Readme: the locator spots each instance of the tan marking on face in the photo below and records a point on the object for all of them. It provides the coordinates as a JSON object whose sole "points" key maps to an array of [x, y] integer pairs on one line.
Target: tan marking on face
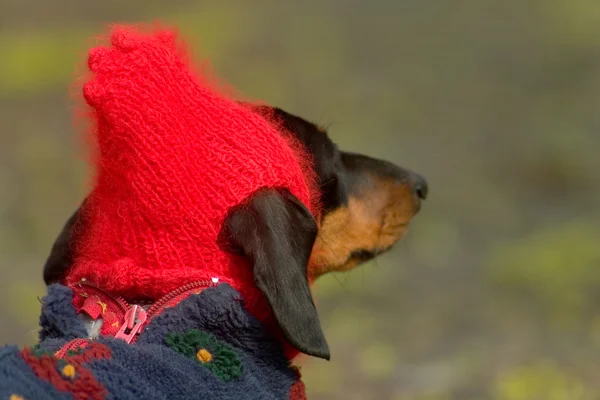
{"points": [[374, 220]]}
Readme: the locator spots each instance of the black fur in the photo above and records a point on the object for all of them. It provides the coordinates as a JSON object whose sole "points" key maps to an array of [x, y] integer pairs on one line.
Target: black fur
{"points": [[359, 169], [60, 254], [326, 156]]}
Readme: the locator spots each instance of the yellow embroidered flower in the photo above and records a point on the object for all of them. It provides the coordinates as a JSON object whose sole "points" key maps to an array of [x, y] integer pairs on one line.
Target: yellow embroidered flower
{"points": [[68, 371]]}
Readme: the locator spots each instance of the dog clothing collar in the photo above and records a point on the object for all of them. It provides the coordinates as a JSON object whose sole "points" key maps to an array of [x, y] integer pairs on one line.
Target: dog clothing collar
{"points": [[110, 315]]}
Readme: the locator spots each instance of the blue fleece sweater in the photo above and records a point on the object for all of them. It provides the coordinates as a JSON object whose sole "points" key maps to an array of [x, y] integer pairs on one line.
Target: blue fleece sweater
{"points": [[206, 347]]}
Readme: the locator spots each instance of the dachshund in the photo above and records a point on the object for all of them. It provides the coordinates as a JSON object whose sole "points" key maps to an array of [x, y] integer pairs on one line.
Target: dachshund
{"points": [[367, 206]]}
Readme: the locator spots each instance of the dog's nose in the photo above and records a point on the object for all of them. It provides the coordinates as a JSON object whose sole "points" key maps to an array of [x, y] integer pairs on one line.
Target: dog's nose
{"points": [[420, 186]]}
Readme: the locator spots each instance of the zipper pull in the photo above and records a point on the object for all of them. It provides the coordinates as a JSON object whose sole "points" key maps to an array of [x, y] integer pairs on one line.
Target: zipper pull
{"points": [[134, 320]]}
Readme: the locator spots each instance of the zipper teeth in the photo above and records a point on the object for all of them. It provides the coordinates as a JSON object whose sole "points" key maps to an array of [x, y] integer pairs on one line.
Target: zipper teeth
{"points": [[178, 292], [154, 308], [119, 300], [69, 346]]}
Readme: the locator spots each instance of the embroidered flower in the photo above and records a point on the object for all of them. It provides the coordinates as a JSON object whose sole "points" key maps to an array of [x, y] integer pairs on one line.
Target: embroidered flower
{"points": [[68, 373], [66, 369], [208, 351]]}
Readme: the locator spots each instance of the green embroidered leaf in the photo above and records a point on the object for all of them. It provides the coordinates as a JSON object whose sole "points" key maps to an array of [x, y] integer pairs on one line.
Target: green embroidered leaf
{"points": [[37, 351], [208, 351]]}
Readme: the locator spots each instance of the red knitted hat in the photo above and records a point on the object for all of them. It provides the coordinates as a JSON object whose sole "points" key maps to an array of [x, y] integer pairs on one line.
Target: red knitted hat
{"points": [[172, 156]]}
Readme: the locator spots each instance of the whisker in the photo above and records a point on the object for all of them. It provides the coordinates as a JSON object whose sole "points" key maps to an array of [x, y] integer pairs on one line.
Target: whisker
{"points": [[327, 182], [35, 330], [343, 285]]}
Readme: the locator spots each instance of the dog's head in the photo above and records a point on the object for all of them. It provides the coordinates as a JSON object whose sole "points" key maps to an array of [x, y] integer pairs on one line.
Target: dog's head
{"points": [[367, 205]]}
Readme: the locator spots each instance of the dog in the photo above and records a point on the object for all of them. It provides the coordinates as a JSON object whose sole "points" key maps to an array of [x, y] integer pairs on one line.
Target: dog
{"points": [[367, 207], [180, 274]]}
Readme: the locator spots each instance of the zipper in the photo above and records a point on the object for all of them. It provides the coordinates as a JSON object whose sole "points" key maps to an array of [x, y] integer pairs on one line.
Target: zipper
{"points": [[119, 301], [136, 318], [73, 344], [164, 301]]}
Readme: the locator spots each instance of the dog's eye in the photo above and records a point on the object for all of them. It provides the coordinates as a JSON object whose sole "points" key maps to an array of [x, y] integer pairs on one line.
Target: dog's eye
{"points": [[362, 255]]}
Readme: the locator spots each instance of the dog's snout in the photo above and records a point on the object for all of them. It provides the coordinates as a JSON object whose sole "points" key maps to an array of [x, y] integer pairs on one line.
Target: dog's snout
{"points": [[359, 166], [420, 187]]}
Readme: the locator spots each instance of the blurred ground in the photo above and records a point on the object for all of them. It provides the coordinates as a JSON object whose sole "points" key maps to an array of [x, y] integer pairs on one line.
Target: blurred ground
{"points": [[494, 294]]}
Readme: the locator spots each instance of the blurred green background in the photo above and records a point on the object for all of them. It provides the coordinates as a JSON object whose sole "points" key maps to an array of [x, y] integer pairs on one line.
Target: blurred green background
{"points": [[495, 292]]}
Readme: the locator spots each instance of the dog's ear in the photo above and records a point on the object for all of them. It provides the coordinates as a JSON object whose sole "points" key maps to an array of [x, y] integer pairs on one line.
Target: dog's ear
{"points": [[60, 257], [276, 232]]}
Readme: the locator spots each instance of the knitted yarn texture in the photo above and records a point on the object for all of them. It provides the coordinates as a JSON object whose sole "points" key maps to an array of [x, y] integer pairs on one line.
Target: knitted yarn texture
{"points": [[171, 156]]}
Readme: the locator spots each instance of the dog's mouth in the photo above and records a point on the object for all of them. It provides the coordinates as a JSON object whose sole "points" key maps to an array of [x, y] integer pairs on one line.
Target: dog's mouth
{"points": [[361, 256]]}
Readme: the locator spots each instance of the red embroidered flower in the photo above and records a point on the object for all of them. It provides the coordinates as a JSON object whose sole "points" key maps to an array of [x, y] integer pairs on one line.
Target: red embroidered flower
{"points": [[69, 374]]}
